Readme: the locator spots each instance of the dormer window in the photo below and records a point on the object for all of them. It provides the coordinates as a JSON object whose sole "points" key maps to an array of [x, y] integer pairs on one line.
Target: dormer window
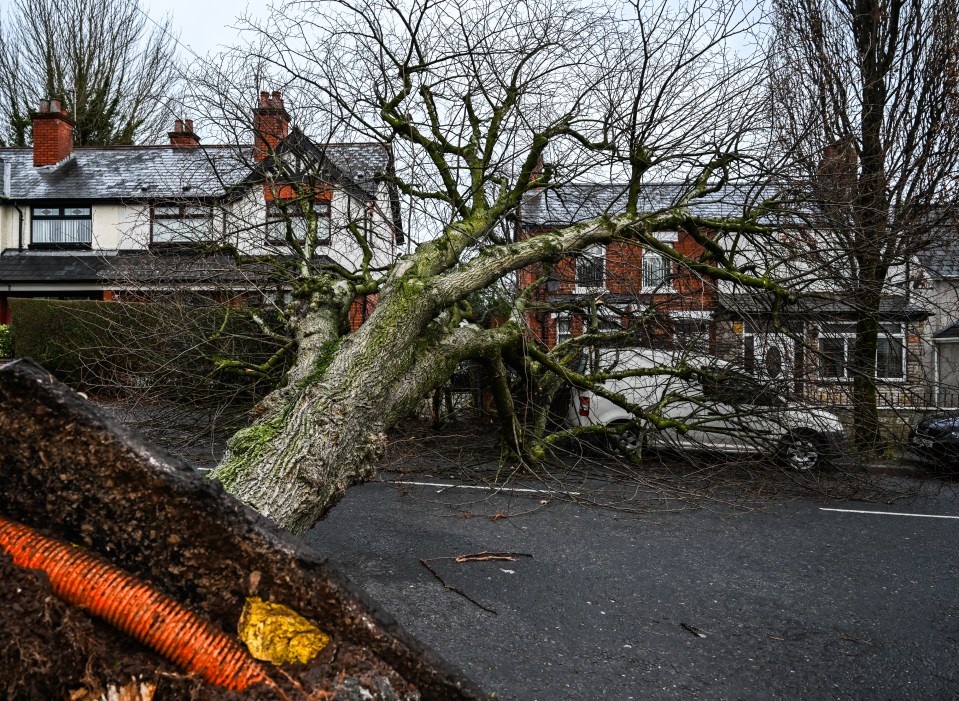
{"points": [[288, 217], [60, 226], [181, 223]]}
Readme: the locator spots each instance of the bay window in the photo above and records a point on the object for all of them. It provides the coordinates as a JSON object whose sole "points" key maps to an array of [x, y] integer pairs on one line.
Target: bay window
{"points": [[837, 342]]}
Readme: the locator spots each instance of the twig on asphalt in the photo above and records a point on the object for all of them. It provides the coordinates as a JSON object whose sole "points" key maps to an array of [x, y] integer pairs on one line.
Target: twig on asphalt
{"points": [[486, 555], [450, 587], [693, 629]]}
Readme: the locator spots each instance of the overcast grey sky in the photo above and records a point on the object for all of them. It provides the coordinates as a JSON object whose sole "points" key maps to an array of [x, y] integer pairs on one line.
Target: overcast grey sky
{"points": [[203, 25]]}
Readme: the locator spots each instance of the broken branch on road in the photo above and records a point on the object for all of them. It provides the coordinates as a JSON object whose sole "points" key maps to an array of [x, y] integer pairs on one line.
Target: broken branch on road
{"points": [[450, 587], [484, 556]]}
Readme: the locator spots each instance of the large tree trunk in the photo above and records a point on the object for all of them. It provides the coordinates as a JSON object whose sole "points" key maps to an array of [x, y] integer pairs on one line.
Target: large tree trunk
{"points": [[864, 390], [324, 430]]}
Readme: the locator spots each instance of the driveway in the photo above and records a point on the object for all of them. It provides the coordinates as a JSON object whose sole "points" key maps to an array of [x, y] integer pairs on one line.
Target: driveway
{"points": [[792, 601]]}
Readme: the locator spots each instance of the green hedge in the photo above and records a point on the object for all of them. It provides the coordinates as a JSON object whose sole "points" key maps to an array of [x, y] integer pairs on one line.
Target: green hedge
{"points": [[167, 348], [6, 341]]}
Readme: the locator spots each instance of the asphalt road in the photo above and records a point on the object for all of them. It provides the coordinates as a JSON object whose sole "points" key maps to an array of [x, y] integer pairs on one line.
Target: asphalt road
{"points": [[789, 602]]}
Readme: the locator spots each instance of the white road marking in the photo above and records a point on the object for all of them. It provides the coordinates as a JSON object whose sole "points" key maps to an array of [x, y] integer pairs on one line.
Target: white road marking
{"points": [[489, 489], [888, 513]]}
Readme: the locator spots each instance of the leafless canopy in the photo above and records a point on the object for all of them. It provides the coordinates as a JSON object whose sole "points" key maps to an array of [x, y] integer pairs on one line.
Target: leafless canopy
{"points": [[108, 63], [863, 107]]}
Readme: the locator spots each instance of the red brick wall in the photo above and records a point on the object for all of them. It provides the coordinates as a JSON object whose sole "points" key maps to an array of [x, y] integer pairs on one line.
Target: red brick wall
{"points": [[624, 267], [361, 309], [52, 138]]}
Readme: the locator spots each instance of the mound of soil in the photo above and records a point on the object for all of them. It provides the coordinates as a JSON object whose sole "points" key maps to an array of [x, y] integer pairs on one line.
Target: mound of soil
{"points": [[70, 472]]}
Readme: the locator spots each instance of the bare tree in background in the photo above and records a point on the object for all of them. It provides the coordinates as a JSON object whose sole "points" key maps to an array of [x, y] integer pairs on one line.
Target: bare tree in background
{"points": [[863, 104], [109, 65]]}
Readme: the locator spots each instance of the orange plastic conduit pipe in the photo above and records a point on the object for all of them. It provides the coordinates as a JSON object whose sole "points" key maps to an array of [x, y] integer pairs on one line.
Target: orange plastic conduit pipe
{"points": [[155, 619]]}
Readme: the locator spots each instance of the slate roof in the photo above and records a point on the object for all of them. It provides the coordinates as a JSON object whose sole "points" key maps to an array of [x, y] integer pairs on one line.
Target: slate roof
{"points": [[126, 173], [579, 202], [890, 306], [167, 172], [941, 259], [53, 267]]}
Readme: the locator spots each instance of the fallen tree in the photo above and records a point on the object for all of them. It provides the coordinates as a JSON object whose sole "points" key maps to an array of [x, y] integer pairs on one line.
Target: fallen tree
{"points": [[473, 101]]}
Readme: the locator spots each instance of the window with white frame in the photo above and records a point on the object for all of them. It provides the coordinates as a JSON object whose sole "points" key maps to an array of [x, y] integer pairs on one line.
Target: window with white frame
{"points": [[591, 268], [891, 353], [836, 344], [284, 217], [181, 223], [655, 272], [61, 225], [564, 329]]}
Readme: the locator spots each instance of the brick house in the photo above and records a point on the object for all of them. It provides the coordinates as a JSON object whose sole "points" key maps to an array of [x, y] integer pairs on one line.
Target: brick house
{"points": [[623, 286], [136, 222]]}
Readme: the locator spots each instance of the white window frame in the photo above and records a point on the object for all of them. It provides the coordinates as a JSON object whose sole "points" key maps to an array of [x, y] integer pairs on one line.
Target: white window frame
{"points": [[197, 223], [849, 338], [561, 320], [663, 264], [899, 334], [594, 252]]}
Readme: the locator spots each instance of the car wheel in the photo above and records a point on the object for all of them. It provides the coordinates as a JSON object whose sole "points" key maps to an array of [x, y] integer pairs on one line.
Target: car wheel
{"points": [[629, 442], [800, 452]]}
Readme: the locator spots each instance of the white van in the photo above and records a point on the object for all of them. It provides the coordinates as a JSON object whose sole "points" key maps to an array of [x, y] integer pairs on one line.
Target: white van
{"points": [[720, 409]]}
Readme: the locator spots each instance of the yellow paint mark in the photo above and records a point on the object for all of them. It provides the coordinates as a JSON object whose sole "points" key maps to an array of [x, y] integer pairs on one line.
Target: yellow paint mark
{"points": [[277, 634]]}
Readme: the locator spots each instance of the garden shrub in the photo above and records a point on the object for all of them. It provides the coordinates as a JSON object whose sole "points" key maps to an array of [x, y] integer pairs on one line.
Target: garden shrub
{"points": [[6, 341]]}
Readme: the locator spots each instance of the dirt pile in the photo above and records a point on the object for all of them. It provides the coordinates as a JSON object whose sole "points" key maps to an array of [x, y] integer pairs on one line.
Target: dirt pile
{"points": [[70, 472]]}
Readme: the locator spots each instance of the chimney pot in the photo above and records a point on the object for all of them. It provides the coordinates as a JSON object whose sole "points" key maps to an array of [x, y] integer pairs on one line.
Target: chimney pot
{"points": [[182, 135]]}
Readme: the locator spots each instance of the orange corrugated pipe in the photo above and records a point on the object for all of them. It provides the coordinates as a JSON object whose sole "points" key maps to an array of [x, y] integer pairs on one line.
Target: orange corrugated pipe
{"points": [[155, 619]]}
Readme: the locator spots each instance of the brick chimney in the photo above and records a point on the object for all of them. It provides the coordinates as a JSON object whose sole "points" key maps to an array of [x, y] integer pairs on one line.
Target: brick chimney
{"points": [[271, 124], [182, 135], [52, 133]]}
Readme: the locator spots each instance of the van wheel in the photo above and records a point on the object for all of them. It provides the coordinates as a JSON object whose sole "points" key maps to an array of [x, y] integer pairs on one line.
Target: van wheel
{"points": [[629, 442], [800, 452]]}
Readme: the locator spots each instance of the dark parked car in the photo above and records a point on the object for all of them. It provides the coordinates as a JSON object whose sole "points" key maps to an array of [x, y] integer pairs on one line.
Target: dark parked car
{"points": [[936, 438]]}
